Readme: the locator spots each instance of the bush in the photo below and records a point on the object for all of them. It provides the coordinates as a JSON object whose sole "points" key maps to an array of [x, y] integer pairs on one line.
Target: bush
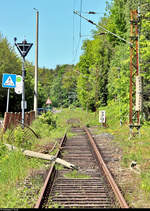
{"points": [[48, 118], [44, 124]]}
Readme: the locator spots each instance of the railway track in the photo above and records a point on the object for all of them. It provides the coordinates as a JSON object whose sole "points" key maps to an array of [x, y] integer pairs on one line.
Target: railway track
{"points": [[91, 186]]}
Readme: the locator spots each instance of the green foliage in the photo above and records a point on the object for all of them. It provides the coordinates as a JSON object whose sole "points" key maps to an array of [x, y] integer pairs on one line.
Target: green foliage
{"points": [[63, 87], [44, 125], [117, 21], [93, 67], [113, 113], [9, 63], [42, 130], [118, 79], [48, 118], [145, 55]]}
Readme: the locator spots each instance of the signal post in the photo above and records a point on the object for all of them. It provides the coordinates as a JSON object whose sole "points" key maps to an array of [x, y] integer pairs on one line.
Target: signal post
{"points": [[23, 49]]}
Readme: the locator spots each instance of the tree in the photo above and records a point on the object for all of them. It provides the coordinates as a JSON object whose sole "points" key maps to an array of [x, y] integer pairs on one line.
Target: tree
{"points": [[145, 57], [94, 66], [9, 63], [63, 88]]}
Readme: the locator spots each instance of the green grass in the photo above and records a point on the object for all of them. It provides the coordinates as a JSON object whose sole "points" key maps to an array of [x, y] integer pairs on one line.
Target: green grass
{"points": [[14, 167], [76, 175], [85, 118], [10, 170]]}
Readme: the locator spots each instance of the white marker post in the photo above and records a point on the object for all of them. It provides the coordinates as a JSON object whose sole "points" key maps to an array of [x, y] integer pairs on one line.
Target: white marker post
{"points": [[102, 118]]}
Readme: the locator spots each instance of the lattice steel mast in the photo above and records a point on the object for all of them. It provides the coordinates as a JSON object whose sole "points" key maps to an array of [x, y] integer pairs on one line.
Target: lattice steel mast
{"points": [[135, 94]]}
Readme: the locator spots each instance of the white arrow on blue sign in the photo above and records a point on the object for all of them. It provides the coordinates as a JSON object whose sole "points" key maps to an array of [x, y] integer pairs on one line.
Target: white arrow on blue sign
{"points": [[9, 80]]}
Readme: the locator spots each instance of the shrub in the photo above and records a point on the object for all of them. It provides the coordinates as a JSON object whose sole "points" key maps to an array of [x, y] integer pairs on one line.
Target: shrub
{"points": [[44, 124], [48, 118]]}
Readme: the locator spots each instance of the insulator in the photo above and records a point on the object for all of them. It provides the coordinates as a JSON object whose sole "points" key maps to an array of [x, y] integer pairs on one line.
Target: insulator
{"points": [[138, 106]]}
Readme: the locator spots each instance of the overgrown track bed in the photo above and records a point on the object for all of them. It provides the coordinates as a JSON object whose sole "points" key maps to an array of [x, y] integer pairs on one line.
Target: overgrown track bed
{"points": [[85, 188]]}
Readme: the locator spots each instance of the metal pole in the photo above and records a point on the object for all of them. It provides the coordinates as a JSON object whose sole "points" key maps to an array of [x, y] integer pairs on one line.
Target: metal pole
{"points": [[131, 74], [139, 14], [8, 92], [36, 67], [23, 92], [137, 58], [138, 32]]}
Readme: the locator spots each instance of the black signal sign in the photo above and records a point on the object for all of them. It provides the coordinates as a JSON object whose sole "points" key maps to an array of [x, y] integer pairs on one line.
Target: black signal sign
{"points": [[23, 47]]}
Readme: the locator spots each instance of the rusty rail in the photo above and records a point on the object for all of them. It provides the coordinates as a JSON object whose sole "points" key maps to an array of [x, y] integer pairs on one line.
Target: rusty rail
{"points": [[108, 175], [50, 176]]}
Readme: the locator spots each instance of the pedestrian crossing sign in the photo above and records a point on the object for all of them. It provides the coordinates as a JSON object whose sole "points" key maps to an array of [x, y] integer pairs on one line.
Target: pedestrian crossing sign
{"points": [[9, 80]]}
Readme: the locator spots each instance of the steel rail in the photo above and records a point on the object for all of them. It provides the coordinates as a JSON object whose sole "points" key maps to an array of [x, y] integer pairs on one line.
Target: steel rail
{"points": [[108, 175], [50, 176]]}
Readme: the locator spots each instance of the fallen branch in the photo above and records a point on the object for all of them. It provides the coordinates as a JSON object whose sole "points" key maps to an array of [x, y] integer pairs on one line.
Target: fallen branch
{"points": [[43, 156]]}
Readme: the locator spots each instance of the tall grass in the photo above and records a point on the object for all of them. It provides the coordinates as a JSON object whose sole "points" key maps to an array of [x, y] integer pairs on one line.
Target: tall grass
{"points": [[12, 167], [85, 118]]}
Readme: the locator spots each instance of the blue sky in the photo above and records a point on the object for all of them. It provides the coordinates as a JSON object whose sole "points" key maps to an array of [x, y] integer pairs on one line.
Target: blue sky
{"points": [[59, 29]]}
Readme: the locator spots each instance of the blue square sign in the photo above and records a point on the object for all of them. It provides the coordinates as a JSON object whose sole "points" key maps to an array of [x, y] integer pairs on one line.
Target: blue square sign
{"points": [[9, 80]]}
